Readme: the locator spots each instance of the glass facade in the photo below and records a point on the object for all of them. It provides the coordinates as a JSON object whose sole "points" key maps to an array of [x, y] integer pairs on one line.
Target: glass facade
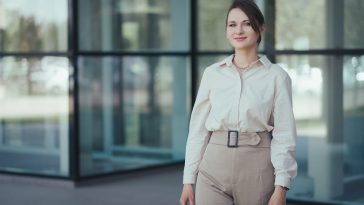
{"points": [[34, 115], [133, 25], [327, 94], [211, 25], [133, 111], [34, 89], [353, 132], [114, 92], [353, 29], [329, 149], [319, 24], [37, 25], [308, 20]]}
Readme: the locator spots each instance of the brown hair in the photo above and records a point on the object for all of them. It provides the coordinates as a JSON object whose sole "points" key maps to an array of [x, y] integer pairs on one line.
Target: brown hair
{"points": [[253, 12]]}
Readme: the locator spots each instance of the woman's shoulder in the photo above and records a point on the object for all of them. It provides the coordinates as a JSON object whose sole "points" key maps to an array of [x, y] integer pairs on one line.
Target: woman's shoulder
{"points": [[214, 66], [278, 71], [218, 64]]}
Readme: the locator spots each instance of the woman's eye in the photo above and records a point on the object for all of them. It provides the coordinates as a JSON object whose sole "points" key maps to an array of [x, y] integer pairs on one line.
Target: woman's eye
{"points": [[247, 24], [231, 25]]}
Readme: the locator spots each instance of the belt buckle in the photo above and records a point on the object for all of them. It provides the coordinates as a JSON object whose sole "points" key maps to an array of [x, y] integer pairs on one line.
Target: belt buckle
{"points": [[236, 139]]}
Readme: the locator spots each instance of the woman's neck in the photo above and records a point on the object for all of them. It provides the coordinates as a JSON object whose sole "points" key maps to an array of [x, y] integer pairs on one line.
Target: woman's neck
{"points": [[243, 58]]}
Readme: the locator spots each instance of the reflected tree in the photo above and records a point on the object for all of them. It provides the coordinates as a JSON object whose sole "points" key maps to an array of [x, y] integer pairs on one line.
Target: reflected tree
{"points": [[29, 35], [26, 38], [211, 24], [299, 20]]}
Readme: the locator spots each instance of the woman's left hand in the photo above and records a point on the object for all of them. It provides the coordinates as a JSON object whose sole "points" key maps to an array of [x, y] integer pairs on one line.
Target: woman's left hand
{"points": [[278, 197]]}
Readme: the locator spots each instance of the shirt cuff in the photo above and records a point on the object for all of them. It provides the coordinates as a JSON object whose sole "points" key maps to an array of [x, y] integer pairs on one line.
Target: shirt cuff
{"points": [[283, 181], [189, 179]]}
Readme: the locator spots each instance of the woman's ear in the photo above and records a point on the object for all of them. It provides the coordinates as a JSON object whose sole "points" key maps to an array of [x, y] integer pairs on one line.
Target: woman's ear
{"points": [[262, 29]]}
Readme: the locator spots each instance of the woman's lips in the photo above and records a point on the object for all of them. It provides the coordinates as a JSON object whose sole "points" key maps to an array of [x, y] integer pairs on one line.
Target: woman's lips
{"points": [[240, 39]]}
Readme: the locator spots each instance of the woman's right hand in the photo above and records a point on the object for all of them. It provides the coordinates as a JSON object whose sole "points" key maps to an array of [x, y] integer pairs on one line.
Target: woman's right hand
{"points": [[187, 195]]}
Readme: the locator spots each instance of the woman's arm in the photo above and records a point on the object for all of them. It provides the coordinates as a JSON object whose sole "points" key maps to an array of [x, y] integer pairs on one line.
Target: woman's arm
{"points": [[283, 144], [197, 140], [284, 134], [198, 134]]}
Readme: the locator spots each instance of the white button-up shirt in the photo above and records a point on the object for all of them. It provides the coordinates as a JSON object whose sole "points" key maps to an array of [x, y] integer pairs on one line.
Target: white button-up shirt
{"points": [[260, 99]]}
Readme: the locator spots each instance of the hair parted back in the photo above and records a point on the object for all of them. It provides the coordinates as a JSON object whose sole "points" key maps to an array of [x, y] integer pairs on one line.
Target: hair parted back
{"points": [[253, 12]]}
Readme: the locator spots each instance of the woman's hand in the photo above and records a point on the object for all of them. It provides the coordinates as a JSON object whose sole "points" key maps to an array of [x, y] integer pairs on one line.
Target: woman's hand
{"points": [[187, 195], [278, 197]]}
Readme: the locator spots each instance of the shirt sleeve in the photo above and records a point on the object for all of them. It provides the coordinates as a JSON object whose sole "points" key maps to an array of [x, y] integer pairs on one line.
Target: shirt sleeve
{"points": [[198, 135], [283, 144]]}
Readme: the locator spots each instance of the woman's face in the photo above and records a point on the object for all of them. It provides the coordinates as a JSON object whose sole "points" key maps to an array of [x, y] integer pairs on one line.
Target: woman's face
{"points": [[239, 32]]}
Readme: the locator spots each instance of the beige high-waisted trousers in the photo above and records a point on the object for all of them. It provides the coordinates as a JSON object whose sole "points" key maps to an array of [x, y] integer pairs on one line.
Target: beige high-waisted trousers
{"points": [[241, 175]]}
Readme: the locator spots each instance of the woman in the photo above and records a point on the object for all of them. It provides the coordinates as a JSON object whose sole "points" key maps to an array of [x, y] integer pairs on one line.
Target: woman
{"points": [[242, 135]]}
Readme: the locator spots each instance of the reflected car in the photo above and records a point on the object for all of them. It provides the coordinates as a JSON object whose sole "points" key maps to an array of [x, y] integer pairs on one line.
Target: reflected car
{"points": [[52, 77]]}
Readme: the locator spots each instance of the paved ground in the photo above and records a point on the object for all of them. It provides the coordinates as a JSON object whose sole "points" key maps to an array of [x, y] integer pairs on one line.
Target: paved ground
{"points": [[160, 186], [157, 186]]}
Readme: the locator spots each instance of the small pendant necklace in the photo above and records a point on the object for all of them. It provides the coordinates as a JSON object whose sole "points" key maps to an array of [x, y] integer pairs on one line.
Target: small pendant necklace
{"points": [[245, 67]]}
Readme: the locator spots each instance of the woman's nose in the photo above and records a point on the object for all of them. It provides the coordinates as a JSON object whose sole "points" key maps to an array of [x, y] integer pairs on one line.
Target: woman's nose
{"points": [[239, 29]]}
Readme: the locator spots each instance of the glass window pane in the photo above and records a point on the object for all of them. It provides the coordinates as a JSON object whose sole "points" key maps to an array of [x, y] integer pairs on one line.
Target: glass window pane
{"points": [[133, 112], [319, 24], [328, 105], [300, 24], [211, 25], [353, 99], [353, 27], [133, 25], [37, 25], [34, 114]]}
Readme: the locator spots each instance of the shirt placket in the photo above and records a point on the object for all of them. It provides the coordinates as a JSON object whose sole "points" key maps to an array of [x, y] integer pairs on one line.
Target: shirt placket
{"points": [[240, 95], [241, 78], [237, 99]]}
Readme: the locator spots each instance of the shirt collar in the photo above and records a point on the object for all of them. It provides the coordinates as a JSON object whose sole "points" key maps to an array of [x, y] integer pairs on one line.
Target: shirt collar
{"points": [[229, 61]]}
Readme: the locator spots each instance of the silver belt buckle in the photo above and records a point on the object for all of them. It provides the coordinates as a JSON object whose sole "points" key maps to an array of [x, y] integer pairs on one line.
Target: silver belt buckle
{"points": [[230, 132]]}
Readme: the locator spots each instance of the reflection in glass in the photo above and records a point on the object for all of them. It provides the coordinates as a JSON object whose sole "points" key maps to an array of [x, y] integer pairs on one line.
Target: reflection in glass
{"points": [[34, 115], [211, 21], [327, 101], [133, 112], [35, 25], [353, 28], [300, 24], [306, 73], [319, 24], [353, 97], [132, 25]]}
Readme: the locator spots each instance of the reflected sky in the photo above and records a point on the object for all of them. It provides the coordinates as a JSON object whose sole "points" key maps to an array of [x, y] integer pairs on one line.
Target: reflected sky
{"points": [[42, 10]]}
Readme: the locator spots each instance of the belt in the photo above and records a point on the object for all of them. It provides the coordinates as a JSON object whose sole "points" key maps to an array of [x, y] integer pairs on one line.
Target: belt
{"points": [[233, 138]]}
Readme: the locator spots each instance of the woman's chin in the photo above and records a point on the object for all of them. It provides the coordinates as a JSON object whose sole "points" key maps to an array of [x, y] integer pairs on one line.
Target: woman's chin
{"points": [[243, 47]]}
